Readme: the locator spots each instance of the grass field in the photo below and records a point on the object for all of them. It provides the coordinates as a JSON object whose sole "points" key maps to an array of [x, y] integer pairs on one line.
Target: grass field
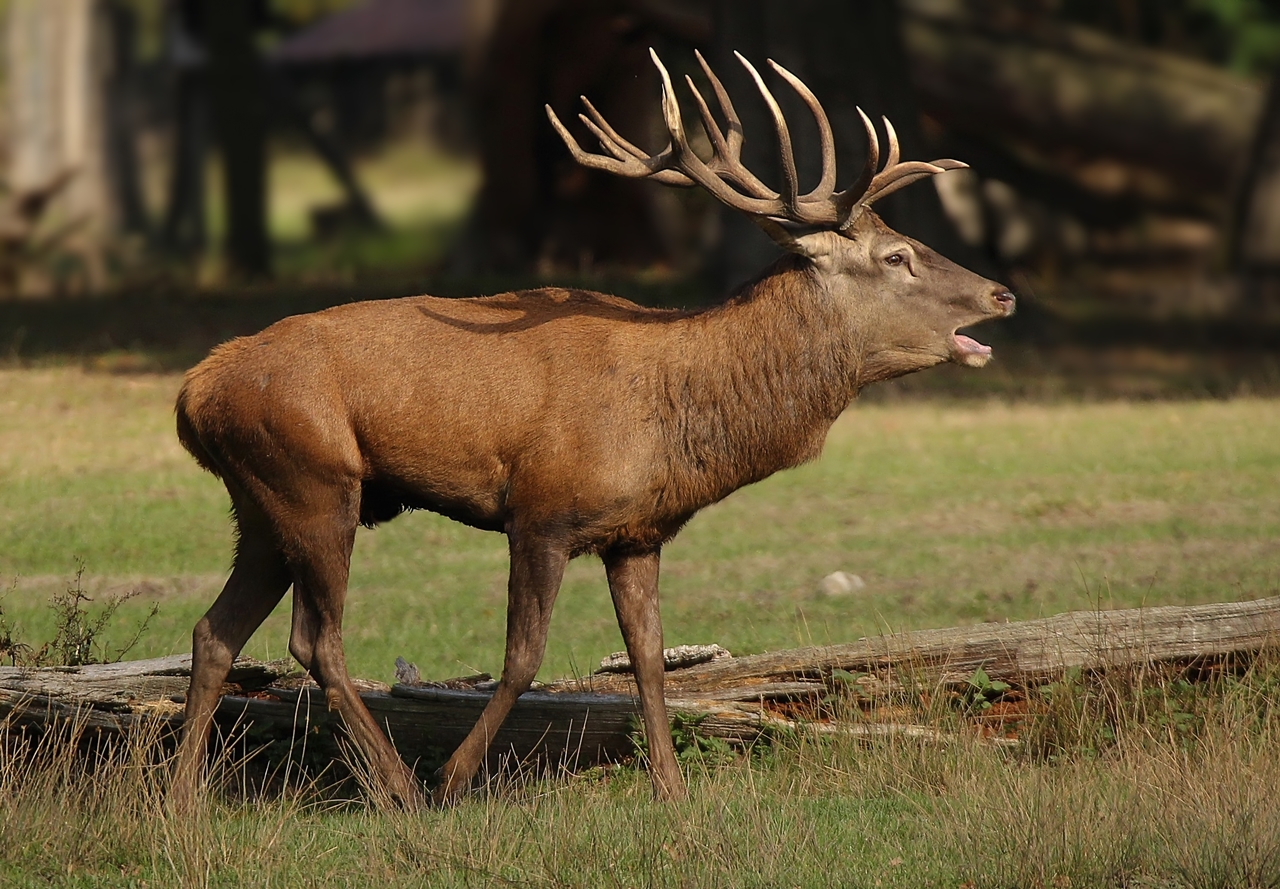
{"points": [[1154, 810], [952, 512]]}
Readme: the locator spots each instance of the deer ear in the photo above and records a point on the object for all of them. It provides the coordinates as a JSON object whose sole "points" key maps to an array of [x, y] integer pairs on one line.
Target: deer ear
{"points": [[811, 244]]}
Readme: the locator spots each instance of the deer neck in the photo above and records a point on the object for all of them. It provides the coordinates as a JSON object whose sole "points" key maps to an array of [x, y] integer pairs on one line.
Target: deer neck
{"points": [[764, 377]]}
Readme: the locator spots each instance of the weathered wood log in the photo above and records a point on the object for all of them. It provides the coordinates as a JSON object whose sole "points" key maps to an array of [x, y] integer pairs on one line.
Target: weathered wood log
{"points": [[566, 729], [584, 721], [120, 685], [113, 697], [1013, 652]]}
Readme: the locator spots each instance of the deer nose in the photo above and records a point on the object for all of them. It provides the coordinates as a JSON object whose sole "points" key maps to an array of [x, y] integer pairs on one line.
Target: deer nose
{"points": [[1007, 300]]}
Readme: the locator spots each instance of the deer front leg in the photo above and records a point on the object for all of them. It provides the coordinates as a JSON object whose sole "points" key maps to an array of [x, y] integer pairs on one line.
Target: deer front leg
{"points": [[633, 583], [537, 567]]}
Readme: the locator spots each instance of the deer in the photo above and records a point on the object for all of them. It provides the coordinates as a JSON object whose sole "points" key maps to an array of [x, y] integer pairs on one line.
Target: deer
{"points": [[574, 422]]}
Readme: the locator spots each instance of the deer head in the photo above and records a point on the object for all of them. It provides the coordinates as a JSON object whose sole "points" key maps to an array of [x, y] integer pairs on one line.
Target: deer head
{"points": [[903, 303]]}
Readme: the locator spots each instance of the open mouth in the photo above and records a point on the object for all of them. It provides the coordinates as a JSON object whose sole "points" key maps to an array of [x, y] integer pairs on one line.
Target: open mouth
{"points": [[968, 351]]}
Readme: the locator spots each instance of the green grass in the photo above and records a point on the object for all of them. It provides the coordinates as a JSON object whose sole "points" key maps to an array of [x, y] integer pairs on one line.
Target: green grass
{"points": [[420, 194], [952, 514]]}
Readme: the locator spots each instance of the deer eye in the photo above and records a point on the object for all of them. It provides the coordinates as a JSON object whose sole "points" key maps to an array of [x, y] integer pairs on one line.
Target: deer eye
{"points": [[894, 259]]}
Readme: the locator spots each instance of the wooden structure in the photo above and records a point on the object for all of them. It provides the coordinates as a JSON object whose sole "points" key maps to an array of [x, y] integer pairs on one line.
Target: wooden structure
{"points": [[740, 699]]}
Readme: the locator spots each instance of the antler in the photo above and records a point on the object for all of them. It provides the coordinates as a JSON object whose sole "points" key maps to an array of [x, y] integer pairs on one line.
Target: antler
{"points": [[725, 176]]}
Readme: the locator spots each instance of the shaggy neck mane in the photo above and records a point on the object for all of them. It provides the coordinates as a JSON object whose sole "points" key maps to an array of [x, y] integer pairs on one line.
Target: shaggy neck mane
{"points": [[755, 384]]}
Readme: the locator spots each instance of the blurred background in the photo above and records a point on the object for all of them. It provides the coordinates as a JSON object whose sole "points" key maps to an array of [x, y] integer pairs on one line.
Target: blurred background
{"points": [[176, 172], [179, 172]]}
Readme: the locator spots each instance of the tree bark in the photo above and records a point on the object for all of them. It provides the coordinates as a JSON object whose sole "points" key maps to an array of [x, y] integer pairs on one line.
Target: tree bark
{"points": [[238, 102], [1255, 246]]}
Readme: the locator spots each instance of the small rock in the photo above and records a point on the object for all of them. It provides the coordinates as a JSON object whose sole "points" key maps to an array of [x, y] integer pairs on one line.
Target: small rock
{"points": [[841, 583]]}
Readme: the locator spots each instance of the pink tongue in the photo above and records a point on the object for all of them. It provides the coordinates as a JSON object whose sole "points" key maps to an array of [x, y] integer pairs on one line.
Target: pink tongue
{"points": [[969, 344]]}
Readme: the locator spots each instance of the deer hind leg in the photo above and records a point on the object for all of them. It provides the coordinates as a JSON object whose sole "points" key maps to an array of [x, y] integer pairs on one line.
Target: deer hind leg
{"points": [[320, 558], [259, 578], [537, 567], [633, 584]]}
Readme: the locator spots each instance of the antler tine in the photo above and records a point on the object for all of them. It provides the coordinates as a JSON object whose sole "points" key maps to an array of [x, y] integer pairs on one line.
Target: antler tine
{"points": [[644, 167], [905, 174], [871, 186], [827, 184], [619, 152], [718, 143], [670, 107], [894, 156], [790, 180], [727, 163], [586, 159], [873, 147], [733, 122], [627, 154], [847, 200], [597, 122], [895, 175]]}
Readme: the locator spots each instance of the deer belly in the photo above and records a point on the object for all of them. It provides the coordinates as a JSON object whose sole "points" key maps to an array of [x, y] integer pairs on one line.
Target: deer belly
{"points": [[471, 492]]}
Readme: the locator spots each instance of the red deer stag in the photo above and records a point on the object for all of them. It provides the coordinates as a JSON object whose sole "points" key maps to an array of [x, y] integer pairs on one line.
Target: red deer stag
{"points": [[573, 422]]}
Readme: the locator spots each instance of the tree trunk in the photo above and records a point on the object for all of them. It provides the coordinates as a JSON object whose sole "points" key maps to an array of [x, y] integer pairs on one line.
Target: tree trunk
{"points": [[1255, 248], [184, 231], [60, 65], [536, 206], [238, 101]]}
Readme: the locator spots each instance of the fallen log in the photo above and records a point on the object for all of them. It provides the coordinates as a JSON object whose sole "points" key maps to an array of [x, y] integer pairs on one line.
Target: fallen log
{"points": [[114, 697], [119, 685], [1076, 95], [740, 699], [1016, 652]]}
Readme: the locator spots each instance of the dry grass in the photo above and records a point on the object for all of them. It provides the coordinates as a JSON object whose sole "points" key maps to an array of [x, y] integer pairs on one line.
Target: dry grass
{"points": [[1155, 806], [68, 422]]}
